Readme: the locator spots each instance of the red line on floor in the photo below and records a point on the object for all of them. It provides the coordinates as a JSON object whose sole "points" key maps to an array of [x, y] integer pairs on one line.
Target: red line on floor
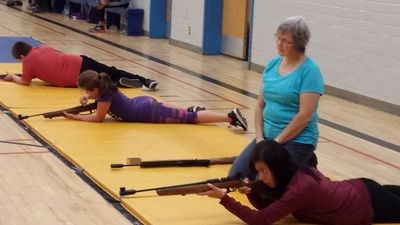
{"points": [[363, 153]]}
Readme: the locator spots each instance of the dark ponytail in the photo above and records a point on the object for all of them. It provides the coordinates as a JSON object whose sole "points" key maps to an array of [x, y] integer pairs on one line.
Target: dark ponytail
{"points": [[90, 79]]}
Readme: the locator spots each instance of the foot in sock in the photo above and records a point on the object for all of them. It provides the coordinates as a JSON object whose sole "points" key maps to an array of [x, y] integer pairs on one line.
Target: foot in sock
{"points": [[196, 108]]}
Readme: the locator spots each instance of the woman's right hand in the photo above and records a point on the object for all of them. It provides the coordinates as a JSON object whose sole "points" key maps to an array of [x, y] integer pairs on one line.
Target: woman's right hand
{"points": [[245, 189], [83, 100]]}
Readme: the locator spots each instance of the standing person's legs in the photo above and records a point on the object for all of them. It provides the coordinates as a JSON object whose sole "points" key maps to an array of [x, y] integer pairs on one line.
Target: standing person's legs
{"points": [[385, 203], [101, 12], [99, 28]]}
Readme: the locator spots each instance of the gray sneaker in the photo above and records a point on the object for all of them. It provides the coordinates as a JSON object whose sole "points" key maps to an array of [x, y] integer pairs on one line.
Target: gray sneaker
{"points": [[237, 119], [132, 83]]}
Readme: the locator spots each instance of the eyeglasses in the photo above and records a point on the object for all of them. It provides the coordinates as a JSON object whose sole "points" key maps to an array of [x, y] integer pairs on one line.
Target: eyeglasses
{"points": [[263, 171], [282, 40]]}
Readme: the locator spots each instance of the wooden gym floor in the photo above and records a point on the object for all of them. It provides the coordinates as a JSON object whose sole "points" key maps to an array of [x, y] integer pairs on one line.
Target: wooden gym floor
{"points": [[37, 188]]}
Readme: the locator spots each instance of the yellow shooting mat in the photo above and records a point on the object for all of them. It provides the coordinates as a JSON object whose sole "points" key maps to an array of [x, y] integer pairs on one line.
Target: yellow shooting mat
{"points": [[94, 146], [14, 68]]}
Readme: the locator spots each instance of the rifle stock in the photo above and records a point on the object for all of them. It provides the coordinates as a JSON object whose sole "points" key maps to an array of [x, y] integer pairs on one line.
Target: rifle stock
{"points": [[230, 184], [74, 110], [175, 163]]}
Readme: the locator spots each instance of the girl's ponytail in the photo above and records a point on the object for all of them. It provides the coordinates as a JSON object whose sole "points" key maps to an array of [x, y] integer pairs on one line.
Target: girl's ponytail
{"points": [[90, 79]]}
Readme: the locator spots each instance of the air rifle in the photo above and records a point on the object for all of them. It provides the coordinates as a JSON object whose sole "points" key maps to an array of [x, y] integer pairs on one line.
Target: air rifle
{"points": [[75, 110], [174, 163], [230, 184]]}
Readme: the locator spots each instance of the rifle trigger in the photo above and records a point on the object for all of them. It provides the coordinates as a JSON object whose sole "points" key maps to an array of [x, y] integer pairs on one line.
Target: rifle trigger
{"points": [[230, 189]]}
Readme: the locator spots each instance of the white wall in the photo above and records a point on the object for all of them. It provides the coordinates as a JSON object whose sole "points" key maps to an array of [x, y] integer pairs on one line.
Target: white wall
{"points": [[143, 4], [355, 42], [187, 21]]}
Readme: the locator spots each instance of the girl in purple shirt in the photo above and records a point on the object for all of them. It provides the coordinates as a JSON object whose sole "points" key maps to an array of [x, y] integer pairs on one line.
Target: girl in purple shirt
{"points": [[144, 109], [308, 194]]}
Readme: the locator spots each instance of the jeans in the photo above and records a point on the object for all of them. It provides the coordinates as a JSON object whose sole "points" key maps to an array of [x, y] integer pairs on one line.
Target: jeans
{"points": [[299, 153]]}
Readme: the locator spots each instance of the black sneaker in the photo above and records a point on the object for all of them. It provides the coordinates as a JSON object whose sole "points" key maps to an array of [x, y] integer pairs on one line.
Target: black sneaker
{"points": [[132, 83], [150, 84], [196, 108], [36, 9], [237, 119], [97, 29]]}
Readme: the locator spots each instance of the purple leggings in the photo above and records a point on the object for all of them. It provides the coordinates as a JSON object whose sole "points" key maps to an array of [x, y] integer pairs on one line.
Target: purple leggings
{"points": [[152, 111]]}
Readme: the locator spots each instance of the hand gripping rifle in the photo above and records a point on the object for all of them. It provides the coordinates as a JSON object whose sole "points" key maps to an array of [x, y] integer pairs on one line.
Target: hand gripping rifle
{"points": [[230, 184], [174, 163], [75, 110]]}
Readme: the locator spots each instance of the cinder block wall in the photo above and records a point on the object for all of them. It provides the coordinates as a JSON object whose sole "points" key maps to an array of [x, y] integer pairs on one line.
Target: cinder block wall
{"points": [[356, 43], [187, 18]]}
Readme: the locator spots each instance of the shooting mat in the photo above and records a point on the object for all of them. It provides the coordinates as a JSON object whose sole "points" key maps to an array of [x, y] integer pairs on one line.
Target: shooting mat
{"points": [[92, 147]]}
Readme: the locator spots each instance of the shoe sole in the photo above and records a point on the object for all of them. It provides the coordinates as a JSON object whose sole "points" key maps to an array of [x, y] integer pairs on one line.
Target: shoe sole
{"points": [[132, 83], [153, 85], [241, 119]]}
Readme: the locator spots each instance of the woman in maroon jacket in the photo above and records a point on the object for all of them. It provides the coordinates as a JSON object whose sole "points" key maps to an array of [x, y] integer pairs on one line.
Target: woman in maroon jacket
{"points": [[308, 194]]}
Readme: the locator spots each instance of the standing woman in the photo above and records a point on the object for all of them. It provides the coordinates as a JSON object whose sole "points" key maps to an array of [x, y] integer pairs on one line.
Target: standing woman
{"points": [[308, 195], [286, 109]]}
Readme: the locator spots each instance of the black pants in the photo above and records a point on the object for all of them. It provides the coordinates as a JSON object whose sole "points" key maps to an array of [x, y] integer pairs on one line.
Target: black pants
{"points": [[385, 201], [102, 12], [114, 73]]}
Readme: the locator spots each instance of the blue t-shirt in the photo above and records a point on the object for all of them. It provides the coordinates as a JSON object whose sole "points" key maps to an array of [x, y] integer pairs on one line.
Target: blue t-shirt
{"points": [[282, 98]]}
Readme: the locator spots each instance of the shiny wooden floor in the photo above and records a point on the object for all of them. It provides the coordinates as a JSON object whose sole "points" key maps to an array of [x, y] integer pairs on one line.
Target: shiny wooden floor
{"points": [[37, 188]]}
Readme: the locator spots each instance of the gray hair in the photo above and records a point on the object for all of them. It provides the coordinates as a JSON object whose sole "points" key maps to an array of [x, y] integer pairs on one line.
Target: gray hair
{"points": [[296, 26]]}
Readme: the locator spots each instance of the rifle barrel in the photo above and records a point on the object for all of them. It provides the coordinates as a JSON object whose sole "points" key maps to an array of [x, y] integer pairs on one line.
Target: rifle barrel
{"points": [[74, 110], [192, 188], [175, 163]]}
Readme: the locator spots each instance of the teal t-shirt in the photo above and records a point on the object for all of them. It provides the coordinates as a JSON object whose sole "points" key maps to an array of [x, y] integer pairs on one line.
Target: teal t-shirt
{"points": [[282, 98]]}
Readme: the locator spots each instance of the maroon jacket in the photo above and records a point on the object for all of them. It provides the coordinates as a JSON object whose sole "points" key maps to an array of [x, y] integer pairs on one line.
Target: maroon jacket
{"points": [[311, 201]]}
